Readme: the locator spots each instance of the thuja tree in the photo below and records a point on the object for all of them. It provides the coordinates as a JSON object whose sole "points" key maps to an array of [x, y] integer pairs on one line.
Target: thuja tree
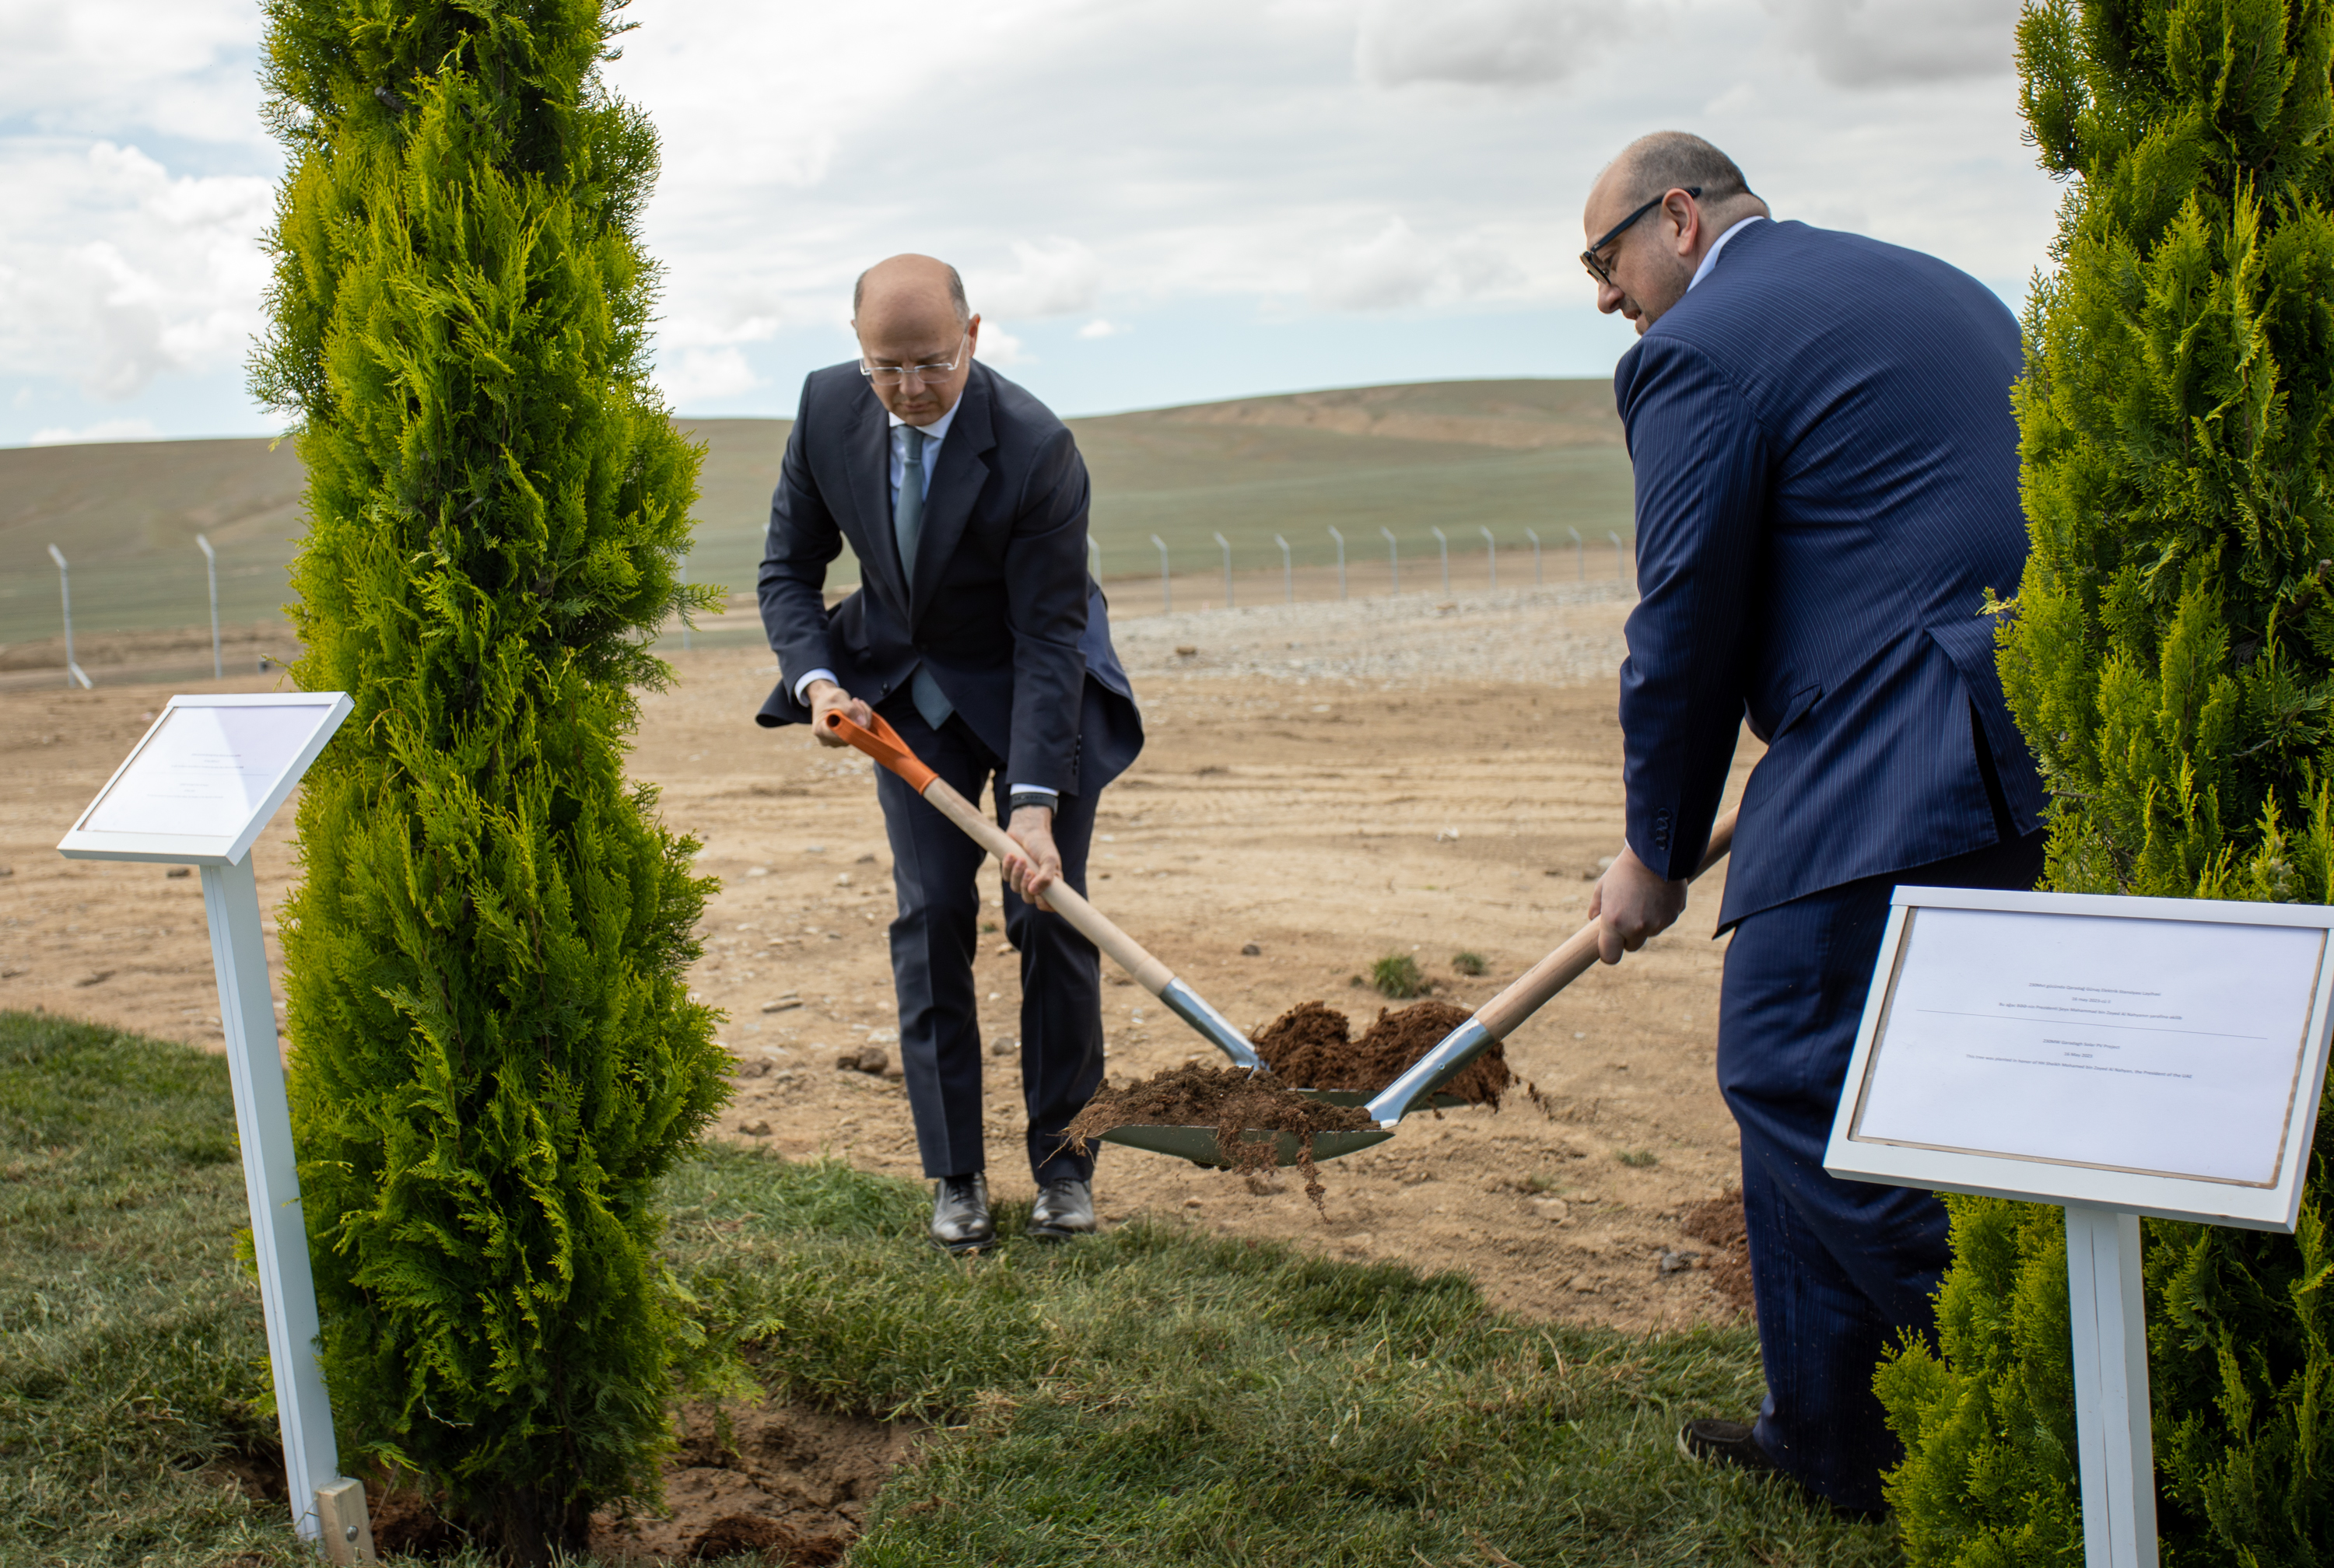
{"points": [[2170, 657], [494, 1054]]}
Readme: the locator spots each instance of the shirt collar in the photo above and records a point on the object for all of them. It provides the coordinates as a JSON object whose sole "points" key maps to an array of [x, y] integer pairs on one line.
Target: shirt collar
{"points": [[937, 431], [1709, 256]]}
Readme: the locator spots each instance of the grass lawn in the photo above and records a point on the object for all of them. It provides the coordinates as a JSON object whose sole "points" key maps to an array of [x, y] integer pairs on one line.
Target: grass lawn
{"points": [[1154, 1396]]}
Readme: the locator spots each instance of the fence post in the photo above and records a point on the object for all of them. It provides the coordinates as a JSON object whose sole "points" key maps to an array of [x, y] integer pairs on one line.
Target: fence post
{"points": [[1446, 544], [1228, 569], [1579, 557], [1393, 561], [1288, 573], [65, 589], [1533, 534], [1166, 588], [1617, 554], [1492, 556], [210, 565], [1340, 538]]}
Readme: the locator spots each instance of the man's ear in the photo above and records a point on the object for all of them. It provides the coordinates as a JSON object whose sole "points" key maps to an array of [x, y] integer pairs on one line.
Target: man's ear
{"points": [[1680, 209]]}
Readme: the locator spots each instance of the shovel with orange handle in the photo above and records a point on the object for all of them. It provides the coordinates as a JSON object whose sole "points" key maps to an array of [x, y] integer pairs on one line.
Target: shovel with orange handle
{"points": [[881, 741], [1494, 1021]]}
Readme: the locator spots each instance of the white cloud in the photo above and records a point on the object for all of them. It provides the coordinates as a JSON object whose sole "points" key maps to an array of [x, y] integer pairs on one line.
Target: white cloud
{"points": [[1398, 268], [1479, 42], [1864, 44], [1000, 347], [1050, 277], [103, 431], [1099, 328], [699, 375]]}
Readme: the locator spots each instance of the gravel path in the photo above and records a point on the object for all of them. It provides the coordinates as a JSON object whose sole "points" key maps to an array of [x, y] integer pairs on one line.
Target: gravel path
{"points": [[1536, 636]]}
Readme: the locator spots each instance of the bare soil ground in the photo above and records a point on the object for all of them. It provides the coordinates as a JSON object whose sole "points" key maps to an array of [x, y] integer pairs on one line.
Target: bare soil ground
{"points": [[1329, 782]]}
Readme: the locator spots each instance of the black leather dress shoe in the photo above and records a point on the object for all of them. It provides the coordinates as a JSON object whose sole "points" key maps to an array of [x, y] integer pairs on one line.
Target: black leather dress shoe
{"points": [[1724, 1443], [961, 1221], [1065, 1208]]}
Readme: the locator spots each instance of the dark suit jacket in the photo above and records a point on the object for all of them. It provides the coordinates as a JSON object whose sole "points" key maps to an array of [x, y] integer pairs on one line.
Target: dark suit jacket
{"points": [[1826, 484], [1001, 611]]}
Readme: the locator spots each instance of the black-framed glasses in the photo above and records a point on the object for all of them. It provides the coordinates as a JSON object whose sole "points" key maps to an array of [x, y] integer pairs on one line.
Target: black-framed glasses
{"points": [[1598, 269], [892, 375]]}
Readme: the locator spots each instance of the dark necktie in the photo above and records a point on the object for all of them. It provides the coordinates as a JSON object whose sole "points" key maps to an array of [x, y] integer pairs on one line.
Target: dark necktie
{"points": [[908, 529]]}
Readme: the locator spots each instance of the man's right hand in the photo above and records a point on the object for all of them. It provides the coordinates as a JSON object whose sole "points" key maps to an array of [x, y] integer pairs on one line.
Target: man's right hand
{"points": [[827, 698], [1631, 905]]}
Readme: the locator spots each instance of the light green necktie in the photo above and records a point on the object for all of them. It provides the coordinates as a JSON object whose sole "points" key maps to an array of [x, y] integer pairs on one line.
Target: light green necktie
{"points": [[908, 529]]}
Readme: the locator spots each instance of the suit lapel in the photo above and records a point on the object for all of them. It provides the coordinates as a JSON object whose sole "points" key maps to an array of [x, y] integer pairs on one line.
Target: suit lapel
{"points": [[956, 484], [869, 443]]}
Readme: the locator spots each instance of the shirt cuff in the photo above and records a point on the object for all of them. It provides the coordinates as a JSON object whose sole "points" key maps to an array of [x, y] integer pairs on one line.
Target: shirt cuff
{"points": [[1011, 790], [805, 680]]}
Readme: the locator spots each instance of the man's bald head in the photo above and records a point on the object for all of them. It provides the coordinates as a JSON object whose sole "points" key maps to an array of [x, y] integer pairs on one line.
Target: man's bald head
{"points": [[1644, 258], [910, 314], [913, 281], [1676, 160]]}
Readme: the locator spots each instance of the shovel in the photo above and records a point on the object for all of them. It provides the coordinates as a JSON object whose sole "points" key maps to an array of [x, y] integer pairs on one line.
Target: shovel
{"points": [[881, 742], [1494, 1021]]}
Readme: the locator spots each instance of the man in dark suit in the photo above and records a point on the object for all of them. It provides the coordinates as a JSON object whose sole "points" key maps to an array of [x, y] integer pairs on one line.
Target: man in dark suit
{"points": [[977, 633], [1826, 484]]}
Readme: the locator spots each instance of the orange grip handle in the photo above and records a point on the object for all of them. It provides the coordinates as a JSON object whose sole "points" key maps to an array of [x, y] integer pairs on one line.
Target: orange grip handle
{"points": [[881, 742]]}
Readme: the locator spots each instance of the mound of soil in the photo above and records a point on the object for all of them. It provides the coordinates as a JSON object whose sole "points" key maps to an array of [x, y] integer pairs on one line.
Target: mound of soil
{"points": [[1719, 1221], [1311, 1047], [1229, 1101]]}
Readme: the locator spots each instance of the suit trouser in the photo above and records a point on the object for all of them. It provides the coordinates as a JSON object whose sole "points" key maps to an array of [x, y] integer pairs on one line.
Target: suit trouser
{"points": [[1840, 1268], [933, 870]]}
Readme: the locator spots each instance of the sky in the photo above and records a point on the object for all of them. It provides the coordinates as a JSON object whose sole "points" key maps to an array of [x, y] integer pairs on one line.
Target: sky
{"points": [[1151, 204]]}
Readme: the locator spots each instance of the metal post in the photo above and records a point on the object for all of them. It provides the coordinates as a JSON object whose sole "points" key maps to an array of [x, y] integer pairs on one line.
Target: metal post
{"points": [[1393, 561], [1288, 573], [1228, 569], [1579, 557], [210, 565], [279, 1234], [1445, 543], [1166, 588], [64, 588], [1491, 557], [1617, 554], [1340, 538], [1533, 534], [2111, 1417]]}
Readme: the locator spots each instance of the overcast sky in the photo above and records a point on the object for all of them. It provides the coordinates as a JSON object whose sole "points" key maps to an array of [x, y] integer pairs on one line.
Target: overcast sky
{"points": [[1152, 204]]}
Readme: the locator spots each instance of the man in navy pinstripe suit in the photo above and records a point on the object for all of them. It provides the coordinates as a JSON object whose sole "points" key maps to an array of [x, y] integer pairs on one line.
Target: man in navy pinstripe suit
{"points": [[1826, 484]]}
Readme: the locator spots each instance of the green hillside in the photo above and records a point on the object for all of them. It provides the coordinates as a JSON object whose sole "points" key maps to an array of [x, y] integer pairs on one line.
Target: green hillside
{"points": [[1506, 455]]}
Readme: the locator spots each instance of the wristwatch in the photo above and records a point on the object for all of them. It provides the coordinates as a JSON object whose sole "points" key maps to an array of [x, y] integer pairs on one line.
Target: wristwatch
{"points": [[1020, 798]]}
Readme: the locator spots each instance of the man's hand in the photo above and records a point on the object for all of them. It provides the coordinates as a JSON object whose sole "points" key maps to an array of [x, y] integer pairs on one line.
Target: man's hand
{"points": [[1038, 866], [827, 698], [1633, 906]]}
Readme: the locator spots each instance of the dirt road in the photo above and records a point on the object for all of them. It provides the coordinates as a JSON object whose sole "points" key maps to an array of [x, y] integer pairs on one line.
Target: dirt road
{"points": [[1327, 783]]}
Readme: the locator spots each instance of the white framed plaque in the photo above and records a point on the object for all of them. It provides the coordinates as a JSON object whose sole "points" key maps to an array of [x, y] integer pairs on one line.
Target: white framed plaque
{"points": [[2155, 1056], [205, 779]]}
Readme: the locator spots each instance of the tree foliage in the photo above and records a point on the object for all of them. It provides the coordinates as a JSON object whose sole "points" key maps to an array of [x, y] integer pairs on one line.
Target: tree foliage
{"points": [[492, 1053], [2170, 659]]}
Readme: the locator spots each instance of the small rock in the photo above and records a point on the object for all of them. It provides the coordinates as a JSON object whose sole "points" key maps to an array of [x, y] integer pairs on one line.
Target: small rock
{"points": [[896, 1073], [1447, 836], [843, 880], [864, 861], [1250, 950], [98, 978], [757, 871], [1003, 948], [1186, 650], [1191, 1203], [1003, 1048], [753, 1069], [1677, 1261], [1555, 1210], [1264, 1185], [757, 1128], [783, 1004], [814, 849], [176, 871]]}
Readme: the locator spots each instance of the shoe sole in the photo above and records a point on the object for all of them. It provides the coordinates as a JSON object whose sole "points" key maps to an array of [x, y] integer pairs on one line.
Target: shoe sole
{"points": [[959, 1248], [1054, 1233]]}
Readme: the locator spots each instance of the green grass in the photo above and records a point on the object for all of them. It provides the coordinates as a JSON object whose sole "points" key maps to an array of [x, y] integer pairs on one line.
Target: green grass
{"points": [[1469, 963], [1154, 1396], [127, 514], [1398, 975]]}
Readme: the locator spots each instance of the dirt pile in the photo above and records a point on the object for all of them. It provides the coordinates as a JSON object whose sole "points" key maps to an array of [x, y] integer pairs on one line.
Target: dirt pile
{"points": [[1310, 1047], [1719, 1221], [1229, 1101]]}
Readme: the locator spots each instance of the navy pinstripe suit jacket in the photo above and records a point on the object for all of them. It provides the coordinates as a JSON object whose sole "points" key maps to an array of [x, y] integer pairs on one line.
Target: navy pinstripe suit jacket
{"points": [[1827, 483]]}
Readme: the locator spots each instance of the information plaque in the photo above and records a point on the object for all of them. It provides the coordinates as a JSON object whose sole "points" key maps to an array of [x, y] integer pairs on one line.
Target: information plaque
{"points": [[2114, 1057], [197, 788]]}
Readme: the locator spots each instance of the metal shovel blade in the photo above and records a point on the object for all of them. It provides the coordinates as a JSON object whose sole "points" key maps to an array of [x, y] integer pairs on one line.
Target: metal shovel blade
{"points": [[1198, 1144]]}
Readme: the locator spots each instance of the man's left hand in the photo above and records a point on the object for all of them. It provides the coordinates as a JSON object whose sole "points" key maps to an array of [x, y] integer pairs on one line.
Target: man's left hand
{"points": [[1631, 905], [1040, 864]]}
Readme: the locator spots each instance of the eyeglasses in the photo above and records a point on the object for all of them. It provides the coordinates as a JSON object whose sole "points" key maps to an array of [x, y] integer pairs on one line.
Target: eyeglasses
{"points": [[1600, 270], [892, 375]]}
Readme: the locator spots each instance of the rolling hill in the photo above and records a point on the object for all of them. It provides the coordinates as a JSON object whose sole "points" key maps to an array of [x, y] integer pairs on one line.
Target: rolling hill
{"points": [[1463, 455]]}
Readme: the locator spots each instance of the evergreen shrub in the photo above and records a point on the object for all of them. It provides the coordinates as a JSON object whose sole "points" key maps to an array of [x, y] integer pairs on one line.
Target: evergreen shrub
{"points": [[2170, 658], [494, 1056]]}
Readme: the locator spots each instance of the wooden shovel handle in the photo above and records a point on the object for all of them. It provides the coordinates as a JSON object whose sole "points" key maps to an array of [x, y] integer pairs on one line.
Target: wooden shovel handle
{"points": [[1532, 991], [881, 742]]}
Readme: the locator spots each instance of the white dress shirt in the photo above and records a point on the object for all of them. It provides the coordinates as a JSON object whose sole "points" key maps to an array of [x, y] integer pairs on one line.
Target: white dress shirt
{"points": [[934, 434], [1709, 257]]}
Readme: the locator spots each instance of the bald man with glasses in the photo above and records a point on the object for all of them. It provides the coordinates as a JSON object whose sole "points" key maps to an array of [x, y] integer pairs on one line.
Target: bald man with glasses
{"points": [[977, 634], [1826, 486]]}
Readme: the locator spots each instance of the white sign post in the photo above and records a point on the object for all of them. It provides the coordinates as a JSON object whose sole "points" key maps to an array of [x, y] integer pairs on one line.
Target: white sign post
{"points": [[198, 789], [2114, 1057]]}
